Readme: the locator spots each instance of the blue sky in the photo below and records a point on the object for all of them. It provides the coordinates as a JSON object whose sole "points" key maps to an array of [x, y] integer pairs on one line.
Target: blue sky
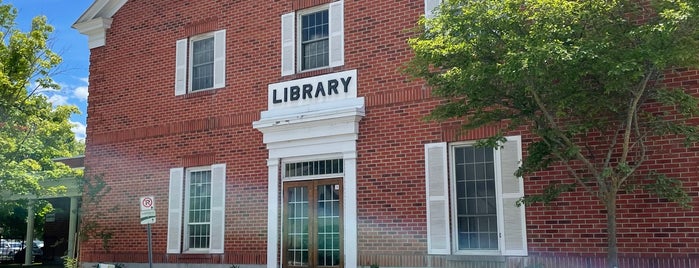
{"points": [[70, 44]]}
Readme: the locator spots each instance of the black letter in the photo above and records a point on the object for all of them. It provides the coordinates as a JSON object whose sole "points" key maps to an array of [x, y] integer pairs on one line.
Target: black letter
{"points": [[346, 83], [295, 93], [319, 89], [332, 87], [274, 97], [307, 88]]}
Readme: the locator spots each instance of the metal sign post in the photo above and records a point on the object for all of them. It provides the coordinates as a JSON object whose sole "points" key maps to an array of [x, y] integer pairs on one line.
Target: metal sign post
{"points": [[148, 218], [150, 249]]}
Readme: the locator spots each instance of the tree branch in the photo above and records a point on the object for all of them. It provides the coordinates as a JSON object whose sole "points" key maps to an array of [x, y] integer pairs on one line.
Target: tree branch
{"points": [[632, 113], [551, 120]]}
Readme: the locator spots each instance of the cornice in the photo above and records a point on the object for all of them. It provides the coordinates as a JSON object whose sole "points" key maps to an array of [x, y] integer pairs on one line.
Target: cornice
{"points": [[95, 21]]}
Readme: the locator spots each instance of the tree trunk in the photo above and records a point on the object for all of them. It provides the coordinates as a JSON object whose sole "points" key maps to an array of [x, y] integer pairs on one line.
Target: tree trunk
{"points": [[612, 250]]}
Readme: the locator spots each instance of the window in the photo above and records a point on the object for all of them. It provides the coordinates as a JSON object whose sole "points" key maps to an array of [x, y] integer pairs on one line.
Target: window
{"points": [[196, 209], [475, 198], [484, 218], [200, 62], [320, 35], [313, 168], [314, 40], [202, 75], [197, 216]]}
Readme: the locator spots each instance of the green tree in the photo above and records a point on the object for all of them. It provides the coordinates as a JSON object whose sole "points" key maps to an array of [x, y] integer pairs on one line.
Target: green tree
{"points": [[32, 132], [584, 77], [13, 219]]}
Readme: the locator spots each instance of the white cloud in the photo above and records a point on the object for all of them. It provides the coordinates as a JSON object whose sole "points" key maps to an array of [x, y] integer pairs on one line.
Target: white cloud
{"points": [[57, 100], [81, 93], [79, 130]]}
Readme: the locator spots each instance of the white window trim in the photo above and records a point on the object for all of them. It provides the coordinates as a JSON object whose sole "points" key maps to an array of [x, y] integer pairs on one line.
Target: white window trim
{"points": [[441, 208], [178, 214], [184, 59], [185, 223], [452, 201], [190, 60], [291, 55], [299, 37]]}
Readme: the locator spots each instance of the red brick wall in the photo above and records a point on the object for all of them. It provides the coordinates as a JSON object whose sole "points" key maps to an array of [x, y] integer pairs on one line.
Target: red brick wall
{"points": [[138, 130]]}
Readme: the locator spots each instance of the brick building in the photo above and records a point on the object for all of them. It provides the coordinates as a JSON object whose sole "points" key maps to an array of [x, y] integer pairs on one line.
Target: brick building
{"points": [[283, 133]]}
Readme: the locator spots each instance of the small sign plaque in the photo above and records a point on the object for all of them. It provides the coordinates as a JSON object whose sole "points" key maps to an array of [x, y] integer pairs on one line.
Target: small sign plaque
{"points": [[147, 210]]}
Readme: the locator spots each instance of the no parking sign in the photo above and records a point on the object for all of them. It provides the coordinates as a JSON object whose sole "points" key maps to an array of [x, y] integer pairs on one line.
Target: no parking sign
{"points": [[147, 210]]}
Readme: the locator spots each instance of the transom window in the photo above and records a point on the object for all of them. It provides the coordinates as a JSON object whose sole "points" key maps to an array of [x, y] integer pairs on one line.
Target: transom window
{"points": [[313, 168]]}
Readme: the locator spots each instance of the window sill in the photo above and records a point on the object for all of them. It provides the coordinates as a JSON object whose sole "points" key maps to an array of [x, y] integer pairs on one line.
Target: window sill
{"points": [[476, 258], [198, 254], [201, 93], [311, 73]]}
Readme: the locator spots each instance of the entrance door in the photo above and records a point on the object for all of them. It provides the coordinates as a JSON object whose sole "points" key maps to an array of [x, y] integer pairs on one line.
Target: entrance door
{"points": [[313, 224]]}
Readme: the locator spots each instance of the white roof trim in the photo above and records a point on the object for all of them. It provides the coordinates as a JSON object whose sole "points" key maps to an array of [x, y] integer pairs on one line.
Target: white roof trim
{"points": [[96, 31], [95, 21]]}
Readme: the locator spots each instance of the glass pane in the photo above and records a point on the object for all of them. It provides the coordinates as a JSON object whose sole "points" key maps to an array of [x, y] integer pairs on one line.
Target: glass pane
{"points": [[328, 228], [460, 190], [310, 168], [481, 190], [459, 173], [297, 220], [471, 207], [203, 64], [490, 171], [470, 189], [480, 154], [480, 172], [468, 155], [492, 206], [199, 209], [476, 199], [459, 155], [314, 40], [461, 207], [470, 173]]}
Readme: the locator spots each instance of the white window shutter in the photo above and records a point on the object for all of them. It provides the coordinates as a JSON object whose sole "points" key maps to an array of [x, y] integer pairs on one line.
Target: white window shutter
{"points": [[288, 44], [218, 207], [174, 218], [430, 6], [337, 33], [438, 237], [220, 59], [514, 224], [181, 67]]}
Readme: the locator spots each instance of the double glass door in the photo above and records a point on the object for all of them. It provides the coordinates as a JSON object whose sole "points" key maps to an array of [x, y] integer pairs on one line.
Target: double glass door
{"points": [[312, 223]]}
